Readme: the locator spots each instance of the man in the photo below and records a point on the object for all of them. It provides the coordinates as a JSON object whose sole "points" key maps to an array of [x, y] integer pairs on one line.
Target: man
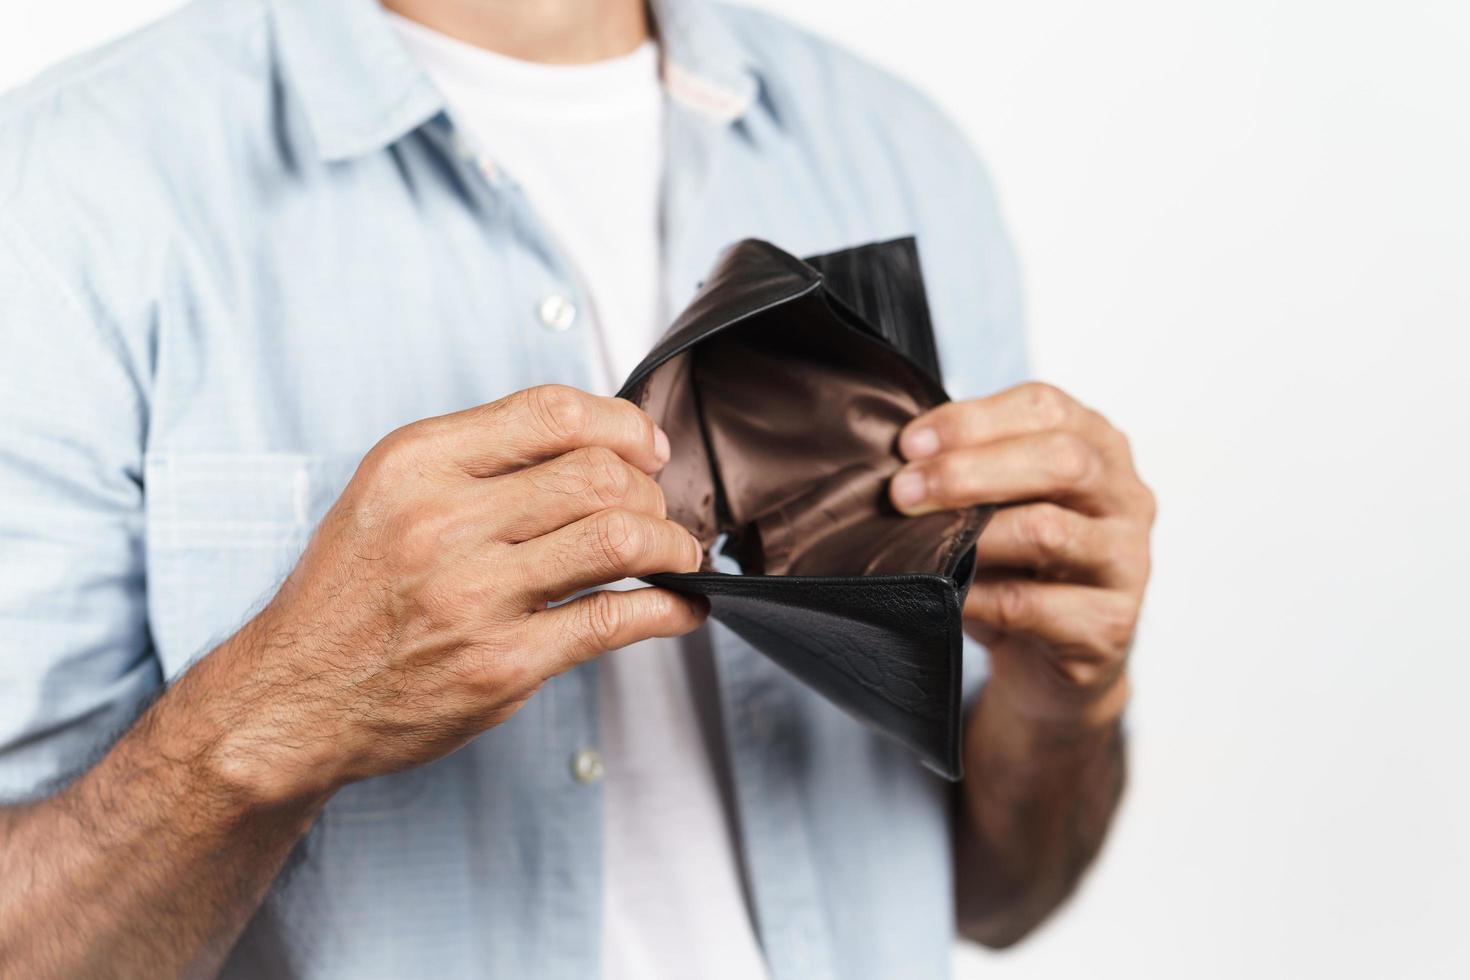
{"points": [[306, 309]]}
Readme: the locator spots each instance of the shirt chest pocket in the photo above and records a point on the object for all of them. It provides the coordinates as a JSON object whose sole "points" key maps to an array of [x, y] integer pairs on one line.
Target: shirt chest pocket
{"points": [[224, 530]]}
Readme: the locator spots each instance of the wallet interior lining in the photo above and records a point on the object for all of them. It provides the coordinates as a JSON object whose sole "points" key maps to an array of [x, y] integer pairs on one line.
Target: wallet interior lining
{"points": [[785, 437]]}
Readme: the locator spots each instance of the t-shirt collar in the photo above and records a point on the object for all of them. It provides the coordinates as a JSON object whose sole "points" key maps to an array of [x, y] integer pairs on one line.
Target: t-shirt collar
{"points": [[361, 91]]}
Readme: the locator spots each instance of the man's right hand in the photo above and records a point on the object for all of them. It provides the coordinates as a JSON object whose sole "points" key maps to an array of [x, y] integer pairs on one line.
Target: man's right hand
{"points": [[417, 618], [418, 615]]}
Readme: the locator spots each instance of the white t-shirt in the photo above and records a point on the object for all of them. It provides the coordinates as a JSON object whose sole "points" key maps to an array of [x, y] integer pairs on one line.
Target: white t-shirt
{"points": [[585, 144]]}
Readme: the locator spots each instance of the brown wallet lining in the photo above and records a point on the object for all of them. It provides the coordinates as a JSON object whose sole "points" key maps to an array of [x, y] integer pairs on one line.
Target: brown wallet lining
{"points": [[785, 438]]}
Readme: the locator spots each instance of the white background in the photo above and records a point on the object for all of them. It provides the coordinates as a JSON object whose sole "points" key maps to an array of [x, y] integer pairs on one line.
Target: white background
{"points": [[1245, 229]]}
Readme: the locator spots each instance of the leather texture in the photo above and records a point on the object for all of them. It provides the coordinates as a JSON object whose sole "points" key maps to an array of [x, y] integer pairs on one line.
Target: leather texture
{"points": [[783, 386]]}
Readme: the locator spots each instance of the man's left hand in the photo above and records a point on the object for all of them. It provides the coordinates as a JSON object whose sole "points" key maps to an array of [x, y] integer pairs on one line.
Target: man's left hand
{"points": [[1061, 571]]}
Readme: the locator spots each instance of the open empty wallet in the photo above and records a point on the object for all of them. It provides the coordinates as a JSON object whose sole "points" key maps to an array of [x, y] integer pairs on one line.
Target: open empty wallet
{"points": [[783, 387]]}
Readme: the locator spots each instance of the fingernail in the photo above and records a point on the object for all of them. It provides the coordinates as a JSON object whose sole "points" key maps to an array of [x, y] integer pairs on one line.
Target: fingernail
{"points": [[919, 443], [908, 488], [660, 445]]}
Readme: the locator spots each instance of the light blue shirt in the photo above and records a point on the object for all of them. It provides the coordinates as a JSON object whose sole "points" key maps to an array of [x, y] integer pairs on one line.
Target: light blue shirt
{"points": [[238, 248]]}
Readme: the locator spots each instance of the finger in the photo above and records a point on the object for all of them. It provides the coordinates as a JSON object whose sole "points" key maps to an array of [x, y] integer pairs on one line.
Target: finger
{"points": [[544, 422], [1075, 618], [539, 499], [600, 621], [1022, 410], [1062, 544], [606, 547], [1058, 466]]}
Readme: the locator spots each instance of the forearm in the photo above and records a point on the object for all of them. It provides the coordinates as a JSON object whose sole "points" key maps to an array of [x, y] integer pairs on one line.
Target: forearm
{"points": [[1033, 811], [415, 619], [151, 863]]}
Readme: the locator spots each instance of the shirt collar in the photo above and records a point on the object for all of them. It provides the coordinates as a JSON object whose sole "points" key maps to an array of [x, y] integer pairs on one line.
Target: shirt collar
{"points": [[704, 67], [361, 91]]}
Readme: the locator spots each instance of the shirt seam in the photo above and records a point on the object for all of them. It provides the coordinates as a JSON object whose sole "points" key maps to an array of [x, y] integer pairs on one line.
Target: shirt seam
{"points": [[41, 88]]}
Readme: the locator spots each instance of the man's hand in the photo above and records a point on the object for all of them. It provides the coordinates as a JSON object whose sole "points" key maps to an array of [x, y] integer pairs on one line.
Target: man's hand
{"points": [[1060, 578], [1061, 573], [418, 617]]}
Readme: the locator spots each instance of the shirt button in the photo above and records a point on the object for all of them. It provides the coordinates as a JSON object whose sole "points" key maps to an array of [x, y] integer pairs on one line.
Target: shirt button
{"points": [[587, 766], [557, 312]]}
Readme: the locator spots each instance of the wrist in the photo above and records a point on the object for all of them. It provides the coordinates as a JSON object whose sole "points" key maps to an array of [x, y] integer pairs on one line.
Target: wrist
{"points": [[1029, 727], [164, 779], [258, 780], [232, 719], [1013, 755]]}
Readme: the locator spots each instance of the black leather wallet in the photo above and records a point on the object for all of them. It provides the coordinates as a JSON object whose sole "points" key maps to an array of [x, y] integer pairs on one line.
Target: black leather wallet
{"points": [[783, 387]]}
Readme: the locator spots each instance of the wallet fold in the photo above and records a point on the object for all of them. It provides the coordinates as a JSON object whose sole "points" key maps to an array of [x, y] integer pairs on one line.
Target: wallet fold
{"points": [[783, 387]]}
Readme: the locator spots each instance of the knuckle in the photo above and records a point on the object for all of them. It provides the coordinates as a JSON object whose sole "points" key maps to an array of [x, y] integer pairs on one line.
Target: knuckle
{"points": [[1118, 627], [558, 410], [618, 537], [606, 474], [602, 619], [1012, 606], [1081, 674], [1071, 458], [1051, 531], [1048, 404], [392, 449]]}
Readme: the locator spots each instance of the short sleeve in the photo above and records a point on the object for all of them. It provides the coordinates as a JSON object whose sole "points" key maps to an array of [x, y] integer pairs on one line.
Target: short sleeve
{"points": [[76, 663]]}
